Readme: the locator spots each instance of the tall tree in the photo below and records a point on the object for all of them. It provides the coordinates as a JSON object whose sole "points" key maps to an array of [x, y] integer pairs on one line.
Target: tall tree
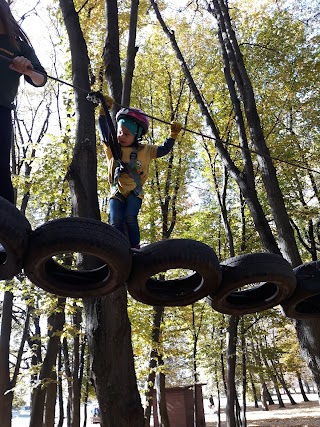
{"points": [[55, 325], [239, 83], [108, 327]]}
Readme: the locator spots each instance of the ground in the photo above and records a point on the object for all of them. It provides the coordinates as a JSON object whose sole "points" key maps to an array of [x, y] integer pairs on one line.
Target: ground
{"points": [[303, 414]]}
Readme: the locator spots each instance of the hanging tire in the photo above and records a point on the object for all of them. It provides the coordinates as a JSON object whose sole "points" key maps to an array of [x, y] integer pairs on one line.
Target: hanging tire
{"points": [[275, 273], [305, 301], [14, 236], [171, 254], [51, 257]]}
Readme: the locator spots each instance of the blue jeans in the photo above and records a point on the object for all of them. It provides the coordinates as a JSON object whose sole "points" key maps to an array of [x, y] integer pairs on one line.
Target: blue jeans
{"points": [[125, 215], [6, 188]]}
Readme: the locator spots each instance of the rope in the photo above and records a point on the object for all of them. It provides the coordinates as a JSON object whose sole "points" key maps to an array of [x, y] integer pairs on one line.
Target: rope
{"points": [[101, 98], [250, 150], [114, 145]]}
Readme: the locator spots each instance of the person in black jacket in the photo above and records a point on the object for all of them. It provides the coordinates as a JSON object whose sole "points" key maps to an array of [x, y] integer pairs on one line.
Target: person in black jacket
{"points": [[211, 403], [17, 57]]}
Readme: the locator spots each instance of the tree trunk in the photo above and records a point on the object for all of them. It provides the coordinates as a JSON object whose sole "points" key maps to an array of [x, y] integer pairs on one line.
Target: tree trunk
{"points": [[238, 413], [111, 52], [161, 398], [6, 394], [86, 393], [223, 371], [303, 393], [218, 401], [254, 391], [276, 387], [83, 168], [50, 404], [285, 387], [244, 376], [109, 339], [308, 332], [155, 339], [60, 391], [77, 364], [195, 369], [269, 397], [7, 383], [306, 384], [35, 345], [231, 368], [68, 374], [131, 53], [55, 326], [273, 376]]}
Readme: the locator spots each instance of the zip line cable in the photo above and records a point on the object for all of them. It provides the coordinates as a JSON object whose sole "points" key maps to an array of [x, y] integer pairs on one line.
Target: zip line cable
{"points": [[278, 159]]}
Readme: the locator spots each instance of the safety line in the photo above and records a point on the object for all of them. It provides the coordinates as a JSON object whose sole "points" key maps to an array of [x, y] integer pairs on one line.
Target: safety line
{"points": [[250, 150]]}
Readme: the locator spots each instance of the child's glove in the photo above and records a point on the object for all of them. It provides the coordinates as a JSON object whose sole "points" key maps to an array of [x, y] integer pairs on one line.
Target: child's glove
{"points": [[109, 101], [175, 129]]}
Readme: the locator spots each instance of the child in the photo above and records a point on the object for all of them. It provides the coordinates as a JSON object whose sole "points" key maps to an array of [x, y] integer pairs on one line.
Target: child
{"points": [[15, 46], [127, 185]]}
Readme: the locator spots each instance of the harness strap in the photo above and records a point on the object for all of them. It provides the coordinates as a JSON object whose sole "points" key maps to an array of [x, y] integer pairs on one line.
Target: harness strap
{"points": [[131, 168], [110, 133], [133, 171], [113, 141]]}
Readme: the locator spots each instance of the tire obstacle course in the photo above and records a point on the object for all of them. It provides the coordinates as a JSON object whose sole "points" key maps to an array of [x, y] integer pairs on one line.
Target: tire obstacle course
{"points": [[50, 254]]}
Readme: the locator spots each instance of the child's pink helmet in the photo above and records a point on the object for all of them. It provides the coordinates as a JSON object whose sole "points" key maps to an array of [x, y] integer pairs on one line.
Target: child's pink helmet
{"points": [[136, 115]]}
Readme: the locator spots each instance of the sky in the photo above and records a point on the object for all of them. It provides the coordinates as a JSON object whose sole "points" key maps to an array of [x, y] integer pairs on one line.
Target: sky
{"points": [[37, 26], [36, 21]]}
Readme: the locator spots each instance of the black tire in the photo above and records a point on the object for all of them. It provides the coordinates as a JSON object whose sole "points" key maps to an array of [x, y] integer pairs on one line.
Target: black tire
{"points": [[305, 301], [14, 236], [174, 254], [79, 235], [275, 272]]}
